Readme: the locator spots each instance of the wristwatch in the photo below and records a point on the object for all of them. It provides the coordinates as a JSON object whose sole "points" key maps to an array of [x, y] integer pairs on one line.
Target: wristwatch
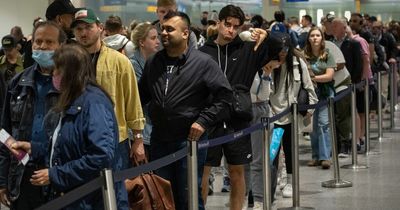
{"points": [[137, 136]]}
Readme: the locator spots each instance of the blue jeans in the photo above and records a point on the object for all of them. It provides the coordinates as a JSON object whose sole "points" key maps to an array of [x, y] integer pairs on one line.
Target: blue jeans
{"points": [[122, 155], [321, 137], [176, 172]]}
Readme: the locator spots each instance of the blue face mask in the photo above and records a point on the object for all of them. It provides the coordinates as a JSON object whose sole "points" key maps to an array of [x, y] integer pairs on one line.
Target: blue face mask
{"points": [[43, 57]]}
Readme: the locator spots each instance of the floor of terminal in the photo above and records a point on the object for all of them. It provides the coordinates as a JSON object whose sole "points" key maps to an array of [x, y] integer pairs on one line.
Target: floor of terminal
{"points": [[377, 187]]}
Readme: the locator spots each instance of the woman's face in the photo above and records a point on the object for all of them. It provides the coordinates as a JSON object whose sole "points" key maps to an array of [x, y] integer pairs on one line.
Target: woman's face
{"points": [[150, 43], [283, 54], [315, 38]]}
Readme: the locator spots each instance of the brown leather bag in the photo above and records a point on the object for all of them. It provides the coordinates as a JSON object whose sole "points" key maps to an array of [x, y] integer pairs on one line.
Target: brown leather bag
{"points": [[149, 192]]}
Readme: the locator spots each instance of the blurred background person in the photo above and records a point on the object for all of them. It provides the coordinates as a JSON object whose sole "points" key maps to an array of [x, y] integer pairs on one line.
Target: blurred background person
{"points": [[115, 38]]}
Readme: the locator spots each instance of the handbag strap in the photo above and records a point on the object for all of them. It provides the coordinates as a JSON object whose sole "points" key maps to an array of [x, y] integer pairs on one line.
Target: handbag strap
{"points": [[300, 71]]}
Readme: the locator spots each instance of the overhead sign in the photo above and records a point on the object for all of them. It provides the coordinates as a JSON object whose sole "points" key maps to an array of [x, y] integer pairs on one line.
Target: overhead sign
{"points": [[114, 2]]}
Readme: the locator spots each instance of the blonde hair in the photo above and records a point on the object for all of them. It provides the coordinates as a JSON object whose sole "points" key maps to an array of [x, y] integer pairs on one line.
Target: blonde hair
{"points": [[140, 33], [212, 30]]}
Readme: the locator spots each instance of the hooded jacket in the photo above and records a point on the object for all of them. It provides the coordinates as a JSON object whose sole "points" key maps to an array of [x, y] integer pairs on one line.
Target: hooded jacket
{"points": [[238, 60], [176, 103], [118, 42]]}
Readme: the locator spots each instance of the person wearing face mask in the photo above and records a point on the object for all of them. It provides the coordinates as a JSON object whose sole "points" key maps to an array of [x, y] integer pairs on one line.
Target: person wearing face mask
{"points": [[85, 139], [29, 96]]}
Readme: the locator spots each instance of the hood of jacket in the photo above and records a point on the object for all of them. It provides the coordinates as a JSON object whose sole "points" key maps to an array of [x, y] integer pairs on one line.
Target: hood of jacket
{"points": [[116, 41]]}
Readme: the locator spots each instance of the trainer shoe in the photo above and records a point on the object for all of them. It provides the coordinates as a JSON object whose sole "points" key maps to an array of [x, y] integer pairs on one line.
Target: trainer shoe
{"points": [[258, 205], [312, 163], [226, 186], [326, 164], [287, 191]]}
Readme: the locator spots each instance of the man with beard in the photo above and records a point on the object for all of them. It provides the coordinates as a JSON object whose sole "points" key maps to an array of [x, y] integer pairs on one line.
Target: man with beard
{"points": [[62, 12], [175, 82], [114, 73]]}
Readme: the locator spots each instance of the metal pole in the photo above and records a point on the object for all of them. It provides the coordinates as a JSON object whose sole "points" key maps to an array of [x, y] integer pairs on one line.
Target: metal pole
{"points": [[266, 166], [392, 95], [192, 176], [380, 132], [354, 164], [110, 203], [295, 161], [367, 130], [336, 182]]}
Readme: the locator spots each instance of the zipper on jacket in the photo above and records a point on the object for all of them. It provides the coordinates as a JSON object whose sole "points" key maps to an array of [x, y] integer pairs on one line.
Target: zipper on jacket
{"points": [[170, 70]]}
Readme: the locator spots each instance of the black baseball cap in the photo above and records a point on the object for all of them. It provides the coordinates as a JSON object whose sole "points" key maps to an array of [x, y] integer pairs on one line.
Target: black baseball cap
{"points": [[59, 7], [8, 42]]}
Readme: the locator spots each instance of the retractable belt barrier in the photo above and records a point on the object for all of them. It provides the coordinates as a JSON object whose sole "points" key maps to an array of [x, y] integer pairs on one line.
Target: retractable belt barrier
{"points": [[98, 182]]}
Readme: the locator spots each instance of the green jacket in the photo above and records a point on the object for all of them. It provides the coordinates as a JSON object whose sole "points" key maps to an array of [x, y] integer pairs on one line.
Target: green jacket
{"points": [[5, 76]]}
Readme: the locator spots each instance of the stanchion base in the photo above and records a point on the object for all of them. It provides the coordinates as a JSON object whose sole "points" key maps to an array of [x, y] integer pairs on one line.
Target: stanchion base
{"points": [[383, 139], [336, 184], [295, 208], [373, 153], [355, 167]]}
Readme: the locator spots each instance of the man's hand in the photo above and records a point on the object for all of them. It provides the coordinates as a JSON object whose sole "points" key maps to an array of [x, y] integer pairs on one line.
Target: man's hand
{"points": [[195, 132], [40, 177], [137, 151], [392, 61], [21, 145], [4, 198], [258, 35]]}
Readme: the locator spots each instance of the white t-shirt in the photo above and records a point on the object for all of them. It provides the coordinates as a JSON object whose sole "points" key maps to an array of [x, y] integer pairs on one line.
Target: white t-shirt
{"points": [[342, 74]]}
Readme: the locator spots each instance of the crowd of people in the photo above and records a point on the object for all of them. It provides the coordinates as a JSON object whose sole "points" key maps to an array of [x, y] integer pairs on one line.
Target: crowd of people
{"points": [[81, 95]]}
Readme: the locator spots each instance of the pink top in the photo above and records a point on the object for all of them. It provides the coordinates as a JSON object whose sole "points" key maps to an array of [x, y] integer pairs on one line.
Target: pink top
{"points": [[367, 73]]}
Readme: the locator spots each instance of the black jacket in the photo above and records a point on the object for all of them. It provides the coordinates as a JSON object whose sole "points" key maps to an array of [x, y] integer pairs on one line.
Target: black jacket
{"points": [[351, 50], [17, 119], [389, 43], [195, 79]]}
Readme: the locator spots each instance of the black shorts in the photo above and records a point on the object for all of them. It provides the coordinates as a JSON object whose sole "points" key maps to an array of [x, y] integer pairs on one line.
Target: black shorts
{"points": [[360, 101], [237, 152]]}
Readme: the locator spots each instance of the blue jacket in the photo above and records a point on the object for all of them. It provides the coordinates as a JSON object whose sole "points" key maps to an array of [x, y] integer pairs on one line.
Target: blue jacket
{"points": [[86, 144]]}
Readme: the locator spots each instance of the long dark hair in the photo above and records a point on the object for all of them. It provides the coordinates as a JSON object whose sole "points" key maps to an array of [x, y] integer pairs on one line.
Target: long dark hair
{"points": [[75, 65], [281, 41]]}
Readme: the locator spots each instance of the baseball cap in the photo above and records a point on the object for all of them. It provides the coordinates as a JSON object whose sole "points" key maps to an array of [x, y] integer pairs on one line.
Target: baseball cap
{"points": [[212, 18], [59, 7], [330, 17], [85, 15], [8, 42]]}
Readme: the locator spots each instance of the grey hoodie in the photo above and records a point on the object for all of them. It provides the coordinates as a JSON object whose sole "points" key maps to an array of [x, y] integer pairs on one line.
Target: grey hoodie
{"points": [[118, 41]]}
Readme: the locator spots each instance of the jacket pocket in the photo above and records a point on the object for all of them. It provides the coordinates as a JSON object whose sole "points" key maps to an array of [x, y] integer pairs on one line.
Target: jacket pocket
{"points": [[17, 108]]}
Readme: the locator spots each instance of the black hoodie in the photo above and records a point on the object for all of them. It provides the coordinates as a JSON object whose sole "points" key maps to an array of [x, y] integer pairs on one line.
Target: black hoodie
{"points": [[238, 60]]}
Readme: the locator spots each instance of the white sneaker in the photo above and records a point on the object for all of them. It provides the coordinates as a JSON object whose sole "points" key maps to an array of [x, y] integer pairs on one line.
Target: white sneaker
{"points": [[258, 205], [287, 191]]}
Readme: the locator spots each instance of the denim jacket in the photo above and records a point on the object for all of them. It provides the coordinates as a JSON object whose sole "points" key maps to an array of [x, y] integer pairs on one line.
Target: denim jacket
{"points": [[17, 119]]}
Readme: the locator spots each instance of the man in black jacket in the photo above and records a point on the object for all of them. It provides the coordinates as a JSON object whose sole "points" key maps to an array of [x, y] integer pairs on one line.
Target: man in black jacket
{"points": [[177, 82], [239, 61]]}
